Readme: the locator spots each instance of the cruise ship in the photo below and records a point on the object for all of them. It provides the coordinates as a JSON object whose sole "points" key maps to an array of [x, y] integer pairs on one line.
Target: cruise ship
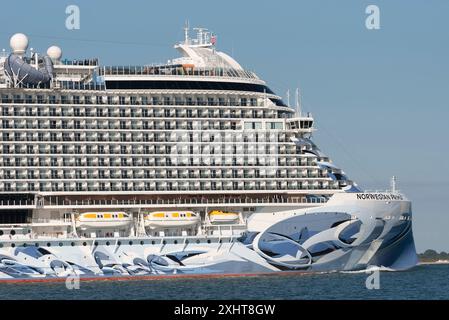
{"points": [[191, 167]]}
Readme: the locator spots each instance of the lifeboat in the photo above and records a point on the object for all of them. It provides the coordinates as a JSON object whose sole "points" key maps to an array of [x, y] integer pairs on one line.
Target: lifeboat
{"points": [[171, 219], [188, 66], [218, 216], [103, 220]]}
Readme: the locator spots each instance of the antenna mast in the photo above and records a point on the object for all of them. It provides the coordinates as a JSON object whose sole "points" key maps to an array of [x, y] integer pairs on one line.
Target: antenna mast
{"points": [[186, 32], [393, 184], [298, 102], [201, 34]]}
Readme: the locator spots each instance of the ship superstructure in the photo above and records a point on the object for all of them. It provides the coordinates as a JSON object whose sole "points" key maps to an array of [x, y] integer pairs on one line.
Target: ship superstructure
{"points": [[197, 152]]}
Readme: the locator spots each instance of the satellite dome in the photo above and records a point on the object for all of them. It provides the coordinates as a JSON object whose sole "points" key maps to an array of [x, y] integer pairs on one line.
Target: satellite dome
{"points": [[19, 43], [54, 52]]}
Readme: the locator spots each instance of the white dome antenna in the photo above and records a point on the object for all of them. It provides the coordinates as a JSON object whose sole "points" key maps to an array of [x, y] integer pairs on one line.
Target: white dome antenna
{"points": [[19, 43], [55, 53]]}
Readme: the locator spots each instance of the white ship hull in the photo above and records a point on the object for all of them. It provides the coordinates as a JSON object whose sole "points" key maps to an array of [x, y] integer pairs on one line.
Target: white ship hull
{"points": [[345, 234]]}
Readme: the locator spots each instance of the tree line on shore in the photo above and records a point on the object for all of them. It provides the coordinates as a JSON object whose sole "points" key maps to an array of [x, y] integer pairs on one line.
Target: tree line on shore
{"points": [[432, 255]]}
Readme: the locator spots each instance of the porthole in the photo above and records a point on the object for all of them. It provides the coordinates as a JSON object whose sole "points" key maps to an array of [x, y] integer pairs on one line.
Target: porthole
{"points": [[36, 245], [60, 244], [13, 245], [208, 240], [187, 241], [130, 243], [153, 242], [142, 243], [72, 244], [1, 232], [198, 241], [96, 243], [12, 232], [119, 243], [48, 244], [175, 242], [164, 242], [107, 243], [24, 245], [84, 243], [1, 245]]}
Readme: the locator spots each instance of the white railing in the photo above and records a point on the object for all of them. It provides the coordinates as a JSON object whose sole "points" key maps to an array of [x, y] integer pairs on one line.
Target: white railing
{"points": [[224, 229], [50, 221], [161, 202], [177, 71]]}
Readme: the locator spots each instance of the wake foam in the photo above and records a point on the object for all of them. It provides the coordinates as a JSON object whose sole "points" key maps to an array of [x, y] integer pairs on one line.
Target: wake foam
{"points": [[371, 269]]}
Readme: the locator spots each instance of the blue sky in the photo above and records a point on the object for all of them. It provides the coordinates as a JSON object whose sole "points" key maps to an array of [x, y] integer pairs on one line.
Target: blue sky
{"points": [[380, 97]]}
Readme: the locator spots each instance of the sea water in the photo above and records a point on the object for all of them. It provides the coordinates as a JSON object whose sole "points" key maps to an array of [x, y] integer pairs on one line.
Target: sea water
{"points": [[421, 282]]}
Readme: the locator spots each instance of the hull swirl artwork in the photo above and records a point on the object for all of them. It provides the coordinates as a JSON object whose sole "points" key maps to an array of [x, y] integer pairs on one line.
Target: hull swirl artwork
{"points": [[194, 167]]}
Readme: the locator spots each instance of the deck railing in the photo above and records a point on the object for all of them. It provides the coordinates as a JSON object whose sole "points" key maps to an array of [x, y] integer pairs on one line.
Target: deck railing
{"points": [[152, 202], [176, 71]]}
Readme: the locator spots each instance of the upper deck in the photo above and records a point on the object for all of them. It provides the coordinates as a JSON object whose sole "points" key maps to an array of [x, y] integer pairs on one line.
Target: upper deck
{"points": [[185, 70], [200, 67]]}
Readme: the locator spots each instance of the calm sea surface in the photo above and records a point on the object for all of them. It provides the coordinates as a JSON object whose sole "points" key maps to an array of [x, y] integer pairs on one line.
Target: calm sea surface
{"points": [[421, 282]]}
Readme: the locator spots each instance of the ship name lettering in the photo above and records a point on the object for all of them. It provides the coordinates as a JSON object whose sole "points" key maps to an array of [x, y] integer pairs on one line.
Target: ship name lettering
{"points": [[378, 196]]}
